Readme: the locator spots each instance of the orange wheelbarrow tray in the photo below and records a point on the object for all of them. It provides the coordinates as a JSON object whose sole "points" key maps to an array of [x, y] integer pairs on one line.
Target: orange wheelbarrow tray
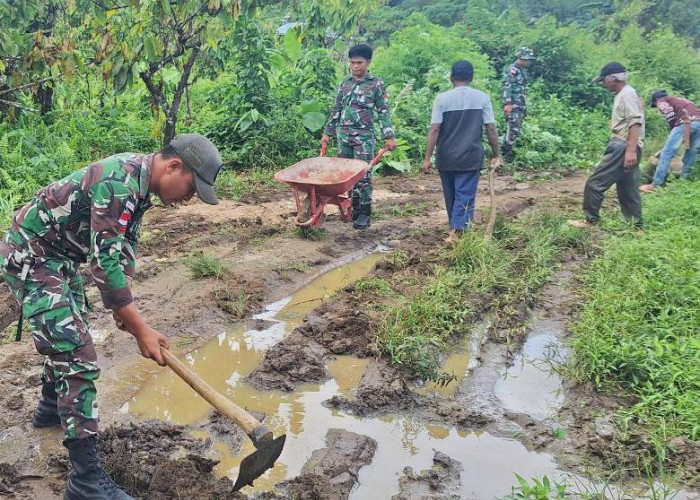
{"points": [[317, 182]]}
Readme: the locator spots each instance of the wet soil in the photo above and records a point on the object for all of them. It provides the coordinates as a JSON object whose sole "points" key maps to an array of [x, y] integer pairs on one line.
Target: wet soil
{"points": [[441, 482], [331, 472], [159, 461], [382, 388], [266, 261]]}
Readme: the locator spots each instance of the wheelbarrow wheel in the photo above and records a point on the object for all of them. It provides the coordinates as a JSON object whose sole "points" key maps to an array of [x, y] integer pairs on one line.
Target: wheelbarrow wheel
{"points": [[306, 211]]}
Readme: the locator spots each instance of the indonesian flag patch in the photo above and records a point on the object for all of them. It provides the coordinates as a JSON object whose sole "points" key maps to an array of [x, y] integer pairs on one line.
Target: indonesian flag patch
{"points": [[123, 221]]}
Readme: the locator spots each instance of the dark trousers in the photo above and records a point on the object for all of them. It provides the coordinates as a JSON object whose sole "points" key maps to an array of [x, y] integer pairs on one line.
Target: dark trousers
{"points": [[459, 189], [611, 170]]}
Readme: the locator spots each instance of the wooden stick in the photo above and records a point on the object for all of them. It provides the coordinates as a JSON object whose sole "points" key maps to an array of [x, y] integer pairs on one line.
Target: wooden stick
{"points": [[492, 214], [241, 417]]}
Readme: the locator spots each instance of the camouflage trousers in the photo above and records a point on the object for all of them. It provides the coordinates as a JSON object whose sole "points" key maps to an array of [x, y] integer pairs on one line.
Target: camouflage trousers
{"points": [[361, 147], [50, 292], [513, 123]]}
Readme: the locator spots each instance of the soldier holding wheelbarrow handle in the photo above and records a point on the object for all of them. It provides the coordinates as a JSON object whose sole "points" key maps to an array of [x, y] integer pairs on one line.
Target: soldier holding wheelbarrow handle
{"points": [[352, 122]]}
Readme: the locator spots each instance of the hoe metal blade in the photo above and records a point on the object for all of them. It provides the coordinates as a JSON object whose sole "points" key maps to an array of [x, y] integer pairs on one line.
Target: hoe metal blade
{"points": [[254, 465]]}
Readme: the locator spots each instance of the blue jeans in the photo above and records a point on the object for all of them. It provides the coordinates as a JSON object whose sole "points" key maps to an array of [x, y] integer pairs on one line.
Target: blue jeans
{"points": [[459, 189], [673, 144]]}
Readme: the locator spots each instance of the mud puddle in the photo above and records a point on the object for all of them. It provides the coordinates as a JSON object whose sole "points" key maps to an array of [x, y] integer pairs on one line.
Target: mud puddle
{"points": [[229, 357], [532, 385], [524, 399]]}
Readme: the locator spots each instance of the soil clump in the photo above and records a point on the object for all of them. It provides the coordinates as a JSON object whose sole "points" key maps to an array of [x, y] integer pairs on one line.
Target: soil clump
{"points": [[440, 482], [159, 461], [381, 388], [293, 361], [331, 472]]}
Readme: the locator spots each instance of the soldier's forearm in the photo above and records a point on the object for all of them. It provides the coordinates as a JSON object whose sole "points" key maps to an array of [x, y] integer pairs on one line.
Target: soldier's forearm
{"points": [[132, 319]]}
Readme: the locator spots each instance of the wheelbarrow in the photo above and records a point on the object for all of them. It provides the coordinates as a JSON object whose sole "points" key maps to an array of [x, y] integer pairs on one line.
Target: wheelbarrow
{"points": [[324, 180]]}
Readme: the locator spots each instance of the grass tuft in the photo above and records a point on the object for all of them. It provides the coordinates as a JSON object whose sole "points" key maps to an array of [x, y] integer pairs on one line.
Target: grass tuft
{"points": [[205, 266]]}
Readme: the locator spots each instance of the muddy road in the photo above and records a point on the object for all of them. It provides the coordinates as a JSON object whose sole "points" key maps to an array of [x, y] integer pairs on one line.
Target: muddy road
{"points": [[281, 332]]}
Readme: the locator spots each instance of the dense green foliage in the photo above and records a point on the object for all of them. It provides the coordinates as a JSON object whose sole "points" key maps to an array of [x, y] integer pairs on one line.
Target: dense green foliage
{"points": [[264, 97], [639, 327]]}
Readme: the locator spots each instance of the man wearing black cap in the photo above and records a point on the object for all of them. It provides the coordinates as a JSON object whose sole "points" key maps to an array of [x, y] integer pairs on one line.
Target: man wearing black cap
{"points": [[457, 123], [620, 163], [93, 215], [683, 118]]}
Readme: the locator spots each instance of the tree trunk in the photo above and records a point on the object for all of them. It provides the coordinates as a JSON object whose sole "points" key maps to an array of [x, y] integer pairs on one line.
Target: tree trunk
{"points": [[44, 98], [172, 109]]}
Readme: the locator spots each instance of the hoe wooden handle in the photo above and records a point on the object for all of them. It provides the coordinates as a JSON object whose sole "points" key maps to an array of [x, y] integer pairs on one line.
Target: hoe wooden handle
{"points": [[257, 432]]}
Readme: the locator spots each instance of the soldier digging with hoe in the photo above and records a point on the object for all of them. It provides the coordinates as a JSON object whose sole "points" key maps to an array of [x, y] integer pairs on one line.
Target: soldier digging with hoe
{"points": [[93, 214], [352, 122]]}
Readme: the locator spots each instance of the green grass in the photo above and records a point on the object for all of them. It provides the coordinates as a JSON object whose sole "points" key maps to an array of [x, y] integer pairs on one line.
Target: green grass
{"points": [[379, 285], [544, 488], [205, 266], [310, 233], [410, 209], [638, 330], [506, 272], [235, 185]]}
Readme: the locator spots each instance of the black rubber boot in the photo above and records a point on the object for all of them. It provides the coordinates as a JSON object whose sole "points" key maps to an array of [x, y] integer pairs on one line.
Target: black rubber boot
{"points": [[363, 219], [355, 208], [508, 153], [46, 414], [88, 480]]}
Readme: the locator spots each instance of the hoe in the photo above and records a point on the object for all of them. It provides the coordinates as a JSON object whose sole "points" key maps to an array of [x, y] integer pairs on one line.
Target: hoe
{"points": [[268, 449]]}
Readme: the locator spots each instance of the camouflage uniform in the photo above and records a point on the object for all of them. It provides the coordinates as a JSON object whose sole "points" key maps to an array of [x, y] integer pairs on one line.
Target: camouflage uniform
{"points": [[352, 121], [93, 213], [514, 89]]}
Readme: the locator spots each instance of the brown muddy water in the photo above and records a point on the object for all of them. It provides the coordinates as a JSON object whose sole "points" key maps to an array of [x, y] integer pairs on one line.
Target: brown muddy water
{"points": [[489, 462]]}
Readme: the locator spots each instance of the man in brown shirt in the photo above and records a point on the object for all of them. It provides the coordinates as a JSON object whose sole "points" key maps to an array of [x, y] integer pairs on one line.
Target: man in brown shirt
{"points": [[683, 119], [620, 163]]}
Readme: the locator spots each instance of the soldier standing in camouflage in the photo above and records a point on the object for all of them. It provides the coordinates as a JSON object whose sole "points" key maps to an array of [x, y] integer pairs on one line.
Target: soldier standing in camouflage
{"points": [[93, 214], [514, 104], [352, 121]]}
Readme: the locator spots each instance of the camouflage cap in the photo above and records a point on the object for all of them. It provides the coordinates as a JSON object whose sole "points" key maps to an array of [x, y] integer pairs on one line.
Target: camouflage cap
{"points": [[200, 155], [525, 53]]}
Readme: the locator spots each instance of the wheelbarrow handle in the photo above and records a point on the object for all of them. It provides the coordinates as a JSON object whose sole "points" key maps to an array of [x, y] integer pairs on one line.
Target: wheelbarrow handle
{"points": [[376, 159]]}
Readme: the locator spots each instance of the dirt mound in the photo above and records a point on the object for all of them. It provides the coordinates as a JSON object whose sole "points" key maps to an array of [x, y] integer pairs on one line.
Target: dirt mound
{"points": [[159, 461], [381, 388], [293, 361], [685, 454], [238, 296], [455, 414], [596, 437], [9, 308], [10, 480], [342, 327], [441, 482], [331, 472]]}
